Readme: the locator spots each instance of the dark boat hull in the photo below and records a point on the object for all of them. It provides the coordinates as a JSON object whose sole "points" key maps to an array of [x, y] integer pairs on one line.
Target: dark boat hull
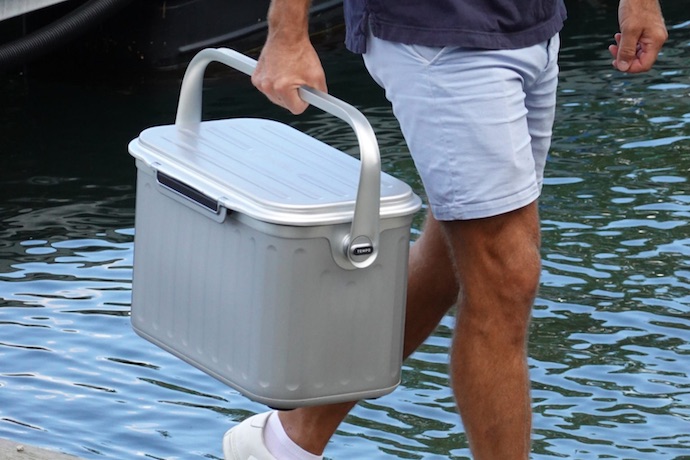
{"points": [[160, 34], [170, 32]]}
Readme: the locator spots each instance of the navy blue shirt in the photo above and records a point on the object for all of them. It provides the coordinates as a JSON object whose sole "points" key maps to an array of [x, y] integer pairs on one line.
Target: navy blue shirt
{"points": [[485, 24]]}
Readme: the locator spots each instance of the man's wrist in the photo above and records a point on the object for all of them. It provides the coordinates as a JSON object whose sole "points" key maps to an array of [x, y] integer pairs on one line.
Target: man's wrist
{"points": [[289, 20]]}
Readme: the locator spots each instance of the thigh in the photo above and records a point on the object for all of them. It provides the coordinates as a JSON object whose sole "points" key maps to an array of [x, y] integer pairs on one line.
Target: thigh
{"points": [[465, 118]]}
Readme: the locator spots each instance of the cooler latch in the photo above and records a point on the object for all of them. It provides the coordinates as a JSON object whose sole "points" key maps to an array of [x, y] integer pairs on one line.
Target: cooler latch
{"points": [[360, 251]]}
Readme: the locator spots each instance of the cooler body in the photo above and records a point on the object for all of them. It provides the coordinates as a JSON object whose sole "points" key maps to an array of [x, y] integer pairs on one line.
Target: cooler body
{"points": [[267, 258], [264, 308]]}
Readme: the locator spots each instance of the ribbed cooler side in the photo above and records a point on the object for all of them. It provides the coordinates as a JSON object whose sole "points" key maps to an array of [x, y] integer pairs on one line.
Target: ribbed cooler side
{"points": [[264, 308]]}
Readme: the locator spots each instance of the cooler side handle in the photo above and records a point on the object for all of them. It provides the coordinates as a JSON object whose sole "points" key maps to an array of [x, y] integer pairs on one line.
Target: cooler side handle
{"points": [[361, 245]]}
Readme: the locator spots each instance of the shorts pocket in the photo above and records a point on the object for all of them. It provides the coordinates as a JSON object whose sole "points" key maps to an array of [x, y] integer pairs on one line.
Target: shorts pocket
{"points": [[427, 54]]}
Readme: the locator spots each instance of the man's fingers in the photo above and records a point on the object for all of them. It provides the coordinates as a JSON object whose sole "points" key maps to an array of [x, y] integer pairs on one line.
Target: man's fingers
{"points": [[280, 80], [293, 102], [626, 50], [642, 34], [643, 59]]}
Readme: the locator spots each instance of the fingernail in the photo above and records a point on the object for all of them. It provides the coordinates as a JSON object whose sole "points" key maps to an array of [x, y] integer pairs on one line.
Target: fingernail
{"points": [[623, 65]]}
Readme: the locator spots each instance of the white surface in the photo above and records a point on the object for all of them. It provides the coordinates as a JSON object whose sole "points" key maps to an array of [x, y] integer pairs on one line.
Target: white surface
{"points": [[10, 450], [11, 8]]}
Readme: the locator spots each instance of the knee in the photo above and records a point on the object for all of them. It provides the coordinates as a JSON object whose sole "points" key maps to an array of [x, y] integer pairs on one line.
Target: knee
{"points": [[502, 298], [498, 263], [520, 283]]}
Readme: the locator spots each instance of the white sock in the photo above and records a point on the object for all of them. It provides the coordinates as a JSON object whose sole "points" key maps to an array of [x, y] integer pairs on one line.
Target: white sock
{"points": [[279, 443]]}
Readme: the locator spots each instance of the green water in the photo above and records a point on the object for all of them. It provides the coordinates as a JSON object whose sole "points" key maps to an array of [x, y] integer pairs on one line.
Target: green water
{"points": [[610, 342]]}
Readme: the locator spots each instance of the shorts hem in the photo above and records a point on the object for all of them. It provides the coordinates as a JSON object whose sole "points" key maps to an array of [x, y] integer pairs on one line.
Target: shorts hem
{"points": [[450, 212]]}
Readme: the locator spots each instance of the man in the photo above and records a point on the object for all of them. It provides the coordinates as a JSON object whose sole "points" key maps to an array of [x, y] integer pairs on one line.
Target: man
{"points": [[473, 85]]}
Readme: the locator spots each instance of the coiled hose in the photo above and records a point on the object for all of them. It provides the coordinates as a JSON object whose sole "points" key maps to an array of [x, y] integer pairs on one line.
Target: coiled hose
{"points": [[57, 33]]}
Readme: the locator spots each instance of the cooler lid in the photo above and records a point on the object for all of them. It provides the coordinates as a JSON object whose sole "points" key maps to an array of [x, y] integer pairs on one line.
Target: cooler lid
{"points": [[266, 170]]}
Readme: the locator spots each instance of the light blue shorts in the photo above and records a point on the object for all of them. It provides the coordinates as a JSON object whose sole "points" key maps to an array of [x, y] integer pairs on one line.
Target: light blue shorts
{"points": [[478, 123]]}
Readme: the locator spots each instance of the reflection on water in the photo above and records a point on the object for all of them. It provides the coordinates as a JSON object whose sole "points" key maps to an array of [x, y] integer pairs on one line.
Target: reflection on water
{"points": [[610, 345]]}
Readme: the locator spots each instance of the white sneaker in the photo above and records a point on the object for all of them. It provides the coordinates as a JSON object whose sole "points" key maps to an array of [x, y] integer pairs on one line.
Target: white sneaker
{"points": [[245, 441]]}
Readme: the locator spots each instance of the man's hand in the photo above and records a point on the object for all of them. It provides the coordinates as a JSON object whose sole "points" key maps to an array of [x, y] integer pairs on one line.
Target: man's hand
{"points": [[288, 60], [642, 35]]}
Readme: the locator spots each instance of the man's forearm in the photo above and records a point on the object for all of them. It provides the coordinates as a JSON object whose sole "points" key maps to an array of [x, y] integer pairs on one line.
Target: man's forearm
{"points": [[288, 20]]}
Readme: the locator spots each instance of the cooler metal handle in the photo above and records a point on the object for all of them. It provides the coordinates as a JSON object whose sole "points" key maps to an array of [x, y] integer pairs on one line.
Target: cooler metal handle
{"points": [[361, 245]]}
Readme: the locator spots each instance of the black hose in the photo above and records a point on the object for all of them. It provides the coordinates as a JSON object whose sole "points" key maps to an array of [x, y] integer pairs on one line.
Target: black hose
{"points": [[58, 33]]}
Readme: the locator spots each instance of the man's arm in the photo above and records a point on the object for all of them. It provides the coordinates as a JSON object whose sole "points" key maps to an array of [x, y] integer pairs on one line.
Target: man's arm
{"points": [[288, 60], [642, 34]]}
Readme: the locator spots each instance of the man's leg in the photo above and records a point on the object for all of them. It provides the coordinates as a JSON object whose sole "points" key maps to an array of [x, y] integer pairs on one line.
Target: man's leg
{"points": [[498, 265], [432, 290], [478, 125]]}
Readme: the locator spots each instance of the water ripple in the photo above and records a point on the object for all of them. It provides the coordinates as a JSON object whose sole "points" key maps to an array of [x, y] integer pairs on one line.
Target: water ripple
{"points": [[610, 335]]}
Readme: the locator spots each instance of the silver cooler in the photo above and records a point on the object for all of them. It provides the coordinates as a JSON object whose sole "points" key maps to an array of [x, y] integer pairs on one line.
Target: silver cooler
{"points": [[268, 259]]}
